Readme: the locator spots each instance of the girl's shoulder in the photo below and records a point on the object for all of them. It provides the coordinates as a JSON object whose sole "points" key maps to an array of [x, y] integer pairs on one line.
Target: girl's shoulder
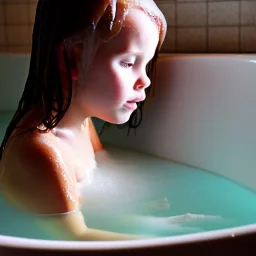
{"points": [[34, 173]]}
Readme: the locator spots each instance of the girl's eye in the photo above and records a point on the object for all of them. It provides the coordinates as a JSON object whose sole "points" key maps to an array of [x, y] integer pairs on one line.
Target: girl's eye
{"points": [[127, 65]]}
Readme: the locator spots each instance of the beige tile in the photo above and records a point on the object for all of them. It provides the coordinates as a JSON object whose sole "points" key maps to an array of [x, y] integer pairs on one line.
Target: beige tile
{"points": [[191, 40], [169, 42], [16, 1], [168, 10], [248, 37], [17, 14], [224, 13], [30, 33], [2, 18], [225, 0], [32, 12], [2, 49], [192, 14], [18, 36], [248, 12], [188, 1], [2, 36], [224, 39], [18, 49]]}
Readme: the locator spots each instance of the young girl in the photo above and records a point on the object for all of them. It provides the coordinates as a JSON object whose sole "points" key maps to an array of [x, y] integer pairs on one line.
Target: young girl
{"points": [[88, 59]]}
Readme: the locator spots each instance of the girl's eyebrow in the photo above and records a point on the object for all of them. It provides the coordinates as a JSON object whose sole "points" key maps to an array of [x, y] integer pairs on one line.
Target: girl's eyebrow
{"points": [[133, 50], [130, 50], [137, 53]]}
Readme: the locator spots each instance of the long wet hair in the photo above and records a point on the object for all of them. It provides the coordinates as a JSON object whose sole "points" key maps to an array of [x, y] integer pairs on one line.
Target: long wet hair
{"points": [[67, 21]]}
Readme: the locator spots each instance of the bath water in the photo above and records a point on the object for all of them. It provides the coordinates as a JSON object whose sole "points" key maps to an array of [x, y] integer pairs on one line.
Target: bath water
{"points": [[146, 179]]}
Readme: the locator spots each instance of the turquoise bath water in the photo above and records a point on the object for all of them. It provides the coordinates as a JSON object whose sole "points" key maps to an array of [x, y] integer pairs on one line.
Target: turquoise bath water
{"points": [[188, 190]]}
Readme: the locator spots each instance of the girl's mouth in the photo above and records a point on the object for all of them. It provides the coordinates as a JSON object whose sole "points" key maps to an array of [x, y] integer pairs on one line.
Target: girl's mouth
{"points": [[131, 105]]}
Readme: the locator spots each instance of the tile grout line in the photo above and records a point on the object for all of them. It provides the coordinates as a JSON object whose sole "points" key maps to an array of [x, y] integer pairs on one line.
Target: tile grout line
{"points": [[176, 26], [240, 27], [28, 24], [207, 27], [5, 24]]}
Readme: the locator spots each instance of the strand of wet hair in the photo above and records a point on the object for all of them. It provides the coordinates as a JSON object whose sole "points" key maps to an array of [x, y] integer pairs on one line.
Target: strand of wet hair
{"points": [[36, 77], [22, 108]]}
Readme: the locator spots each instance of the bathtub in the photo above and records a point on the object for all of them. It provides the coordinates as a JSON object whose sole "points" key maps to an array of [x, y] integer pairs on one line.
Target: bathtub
{"points": [[201, 115]]}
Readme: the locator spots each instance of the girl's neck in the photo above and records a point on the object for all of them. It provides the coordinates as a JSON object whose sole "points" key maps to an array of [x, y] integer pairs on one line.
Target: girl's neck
{"points": [[73, 120]]}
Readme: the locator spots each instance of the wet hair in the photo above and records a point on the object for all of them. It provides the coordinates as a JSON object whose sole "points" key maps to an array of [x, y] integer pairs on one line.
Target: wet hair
{"points": [[67, 22]]}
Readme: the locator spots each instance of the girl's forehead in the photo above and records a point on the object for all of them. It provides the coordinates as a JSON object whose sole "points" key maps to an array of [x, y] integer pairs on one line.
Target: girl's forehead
{"points": [[139, 21], [150, 9], [139, 33]]}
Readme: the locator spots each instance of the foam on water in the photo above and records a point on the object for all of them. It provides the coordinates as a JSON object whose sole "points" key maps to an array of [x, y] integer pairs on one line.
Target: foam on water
{"points": [[127, 182]]}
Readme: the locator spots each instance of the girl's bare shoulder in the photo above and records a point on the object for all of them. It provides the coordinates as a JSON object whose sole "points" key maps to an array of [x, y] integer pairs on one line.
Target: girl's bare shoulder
{"points": [[35, 173]]}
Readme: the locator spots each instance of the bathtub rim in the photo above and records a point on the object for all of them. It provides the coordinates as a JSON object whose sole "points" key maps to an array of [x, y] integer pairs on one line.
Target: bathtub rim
{"points": [[27, 243], [72, 246]]}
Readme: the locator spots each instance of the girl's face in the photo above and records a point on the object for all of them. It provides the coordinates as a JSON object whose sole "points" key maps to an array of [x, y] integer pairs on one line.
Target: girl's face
{"points": [[118, 79]]}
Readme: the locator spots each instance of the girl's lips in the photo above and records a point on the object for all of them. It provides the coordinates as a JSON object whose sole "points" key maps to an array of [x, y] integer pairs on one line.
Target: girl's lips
{"points": [[131, 105]]}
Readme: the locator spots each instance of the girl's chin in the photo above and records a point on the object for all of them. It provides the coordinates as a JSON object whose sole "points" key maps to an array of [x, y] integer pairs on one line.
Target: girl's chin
{"points": [[121, 119], [118, 117]]}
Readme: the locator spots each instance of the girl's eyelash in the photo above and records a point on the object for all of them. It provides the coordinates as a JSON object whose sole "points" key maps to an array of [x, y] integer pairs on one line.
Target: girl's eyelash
{"points": [[127, 65]]}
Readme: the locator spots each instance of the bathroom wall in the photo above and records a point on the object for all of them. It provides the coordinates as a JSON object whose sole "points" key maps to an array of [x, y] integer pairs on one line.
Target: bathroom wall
{"points": [[194, 26]]}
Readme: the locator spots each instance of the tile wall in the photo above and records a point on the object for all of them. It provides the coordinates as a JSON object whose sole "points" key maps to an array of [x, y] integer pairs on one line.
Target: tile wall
{"points": [[194, 26]]}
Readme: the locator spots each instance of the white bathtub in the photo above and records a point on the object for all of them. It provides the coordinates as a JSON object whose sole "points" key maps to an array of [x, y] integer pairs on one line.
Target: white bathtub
{"points": [[203, 115]]}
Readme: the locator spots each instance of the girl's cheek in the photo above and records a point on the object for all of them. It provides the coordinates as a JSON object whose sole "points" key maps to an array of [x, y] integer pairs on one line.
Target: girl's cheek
{"points": [[121, 83]]}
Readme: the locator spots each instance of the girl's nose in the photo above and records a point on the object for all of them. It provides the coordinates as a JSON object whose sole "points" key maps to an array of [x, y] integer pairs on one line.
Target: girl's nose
{"points": [[142, 83]]}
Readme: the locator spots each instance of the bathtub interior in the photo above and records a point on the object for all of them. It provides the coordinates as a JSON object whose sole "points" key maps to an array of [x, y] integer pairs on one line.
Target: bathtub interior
{"points": [[13, 73], [201, 114]]}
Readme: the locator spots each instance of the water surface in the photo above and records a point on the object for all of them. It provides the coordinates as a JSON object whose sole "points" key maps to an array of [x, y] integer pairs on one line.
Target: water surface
{"points": [[134, 177]]}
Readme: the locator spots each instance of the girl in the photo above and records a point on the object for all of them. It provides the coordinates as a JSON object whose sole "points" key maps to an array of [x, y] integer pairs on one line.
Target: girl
{"points": [[89, 59]]}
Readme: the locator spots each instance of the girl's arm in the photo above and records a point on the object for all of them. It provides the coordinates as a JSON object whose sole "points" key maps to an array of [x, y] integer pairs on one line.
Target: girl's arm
{"points": [[72, 226], [38, 183]]}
